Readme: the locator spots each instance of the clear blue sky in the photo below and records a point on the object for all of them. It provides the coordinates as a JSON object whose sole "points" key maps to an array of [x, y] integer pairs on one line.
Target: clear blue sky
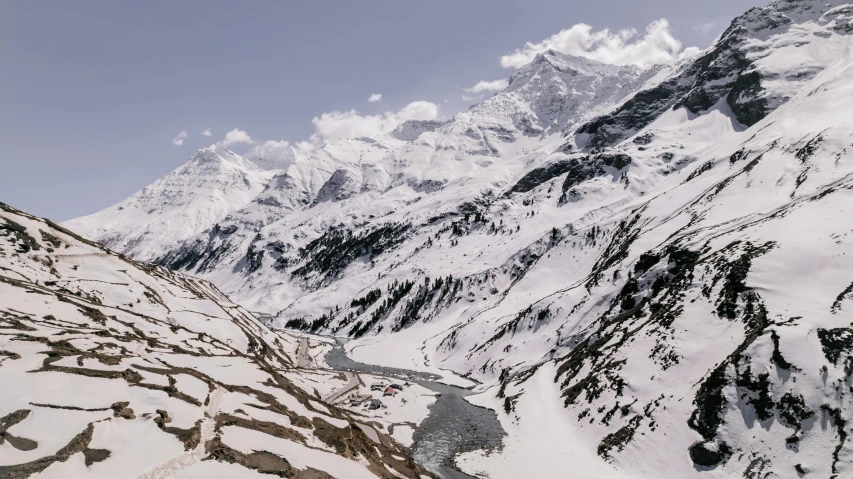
{"points": [[93, 92]]}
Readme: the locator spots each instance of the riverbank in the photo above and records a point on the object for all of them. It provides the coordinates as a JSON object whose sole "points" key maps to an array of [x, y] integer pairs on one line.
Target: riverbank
{"points": [[452, 427], [399, 352]]}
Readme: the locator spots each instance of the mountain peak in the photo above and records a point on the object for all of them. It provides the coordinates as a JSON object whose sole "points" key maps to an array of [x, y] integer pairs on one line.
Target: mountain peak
{"points": [[213, 153], [565, 63]]}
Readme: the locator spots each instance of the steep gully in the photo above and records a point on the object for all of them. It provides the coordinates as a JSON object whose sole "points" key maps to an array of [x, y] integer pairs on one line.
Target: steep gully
{"points": [[454, 426]]}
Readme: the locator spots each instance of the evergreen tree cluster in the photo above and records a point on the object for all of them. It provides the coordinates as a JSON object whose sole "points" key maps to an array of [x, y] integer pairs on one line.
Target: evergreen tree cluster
{"points": [[442, 290], [396, 292], [330, 254], [367, 299]]}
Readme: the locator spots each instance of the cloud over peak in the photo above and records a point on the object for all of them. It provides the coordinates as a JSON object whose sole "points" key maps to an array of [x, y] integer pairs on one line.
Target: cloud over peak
{"points": [[657, 45], [236, 137], [179, 140], [375, 98], [337, 125], [483, 85], [207, 132]]}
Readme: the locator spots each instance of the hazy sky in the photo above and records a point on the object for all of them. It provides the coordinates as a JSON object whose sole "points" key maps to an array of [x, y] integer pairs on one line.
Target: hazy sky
{"points": [[94, 95]]}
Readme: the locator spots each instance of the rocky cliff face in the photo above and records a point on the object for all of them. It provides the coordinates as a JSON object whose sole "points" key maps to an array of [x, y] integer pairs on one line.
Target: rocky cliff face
{"points": [[747, 70]]}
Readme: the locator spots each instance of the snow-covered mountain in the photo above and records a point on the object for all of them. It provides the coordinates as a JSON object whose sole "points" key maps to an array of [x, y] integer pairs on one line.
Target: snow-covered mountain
{"points": [[187, 201], [113, 368], [649, 270]]}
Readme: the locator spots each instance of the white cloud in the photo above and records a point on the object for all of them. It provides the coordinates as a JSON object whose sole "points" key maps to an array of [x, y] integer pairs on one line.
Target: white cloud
{"points": [[656, 46], [338, 125], [689, 52], [418, 110], [235, 137], [472, 98], [305, 146], [275, 144], [375, 97], [206, 132], [179, 140], [496, 85]]}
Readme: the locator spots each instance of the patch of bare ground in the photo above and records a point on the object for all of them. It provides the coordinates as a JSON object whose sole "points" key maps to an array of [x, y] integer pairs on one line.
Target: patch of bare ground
{"points": [[79, 443]]}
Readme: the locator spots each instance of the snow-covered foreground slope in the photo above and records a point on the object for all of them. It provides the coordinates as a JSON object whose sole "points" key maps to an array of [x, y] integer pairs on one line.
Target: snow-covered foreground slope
{"points": [[112, 368], [647, 269]]}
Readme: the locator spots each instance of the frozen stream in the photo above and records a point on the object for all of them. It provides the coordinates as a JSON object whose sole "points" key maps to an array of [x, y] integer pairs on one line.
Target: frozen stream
{"points": [[453, 426]]}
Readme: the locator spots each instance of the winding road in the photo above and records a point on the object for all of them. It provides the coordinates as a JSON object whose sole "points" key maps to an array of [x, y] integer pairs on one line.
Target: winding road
{"points": [[303, 360], [352, 383]]}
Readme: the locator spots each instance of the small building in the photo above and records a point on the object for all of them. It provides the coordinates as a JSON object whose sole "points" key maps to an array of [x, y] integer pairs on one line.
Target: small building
{"points": [[374, 404], [389, 391], [357, 399], [397, 387]]}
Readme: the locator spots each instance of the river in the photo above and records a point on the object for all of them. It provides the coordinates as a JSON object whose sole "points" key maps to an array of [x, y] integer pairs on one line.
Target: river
{"points": [[454, 425]]}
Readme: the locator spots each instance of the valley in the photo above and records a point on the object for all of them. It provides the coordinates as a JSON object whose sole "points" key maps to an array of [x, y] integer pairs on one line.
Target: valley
{"points": [[600, 270]]}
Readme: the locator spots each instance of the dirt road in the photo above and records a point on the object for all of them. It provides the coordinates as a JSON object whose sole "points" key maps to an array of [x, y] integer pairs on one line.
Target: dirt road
{"points": [[352, 383], [303, 360]]}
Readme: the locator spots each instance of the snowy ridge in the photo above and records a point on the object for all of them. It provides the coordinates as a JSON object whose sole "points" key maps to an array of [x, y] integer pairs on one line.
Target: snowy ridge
{"points": [[185, 202], [648, 270], [114, 368]]}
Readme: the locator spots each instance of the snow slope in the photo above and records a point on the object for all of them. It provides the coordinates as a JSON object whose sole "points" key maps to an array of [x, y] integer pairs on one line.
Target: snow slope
{"points": [[668, 249], [113, 368]]}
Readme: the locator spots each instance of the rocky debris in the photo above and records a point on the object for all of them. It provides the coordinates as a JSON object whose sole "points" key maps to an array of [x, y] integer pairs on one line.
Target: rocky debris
{"points": [[261, 461], [95, 455], [9, 420], [121, 409], [10, 355], [270, 428], [708, 454], [79, 443]]}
